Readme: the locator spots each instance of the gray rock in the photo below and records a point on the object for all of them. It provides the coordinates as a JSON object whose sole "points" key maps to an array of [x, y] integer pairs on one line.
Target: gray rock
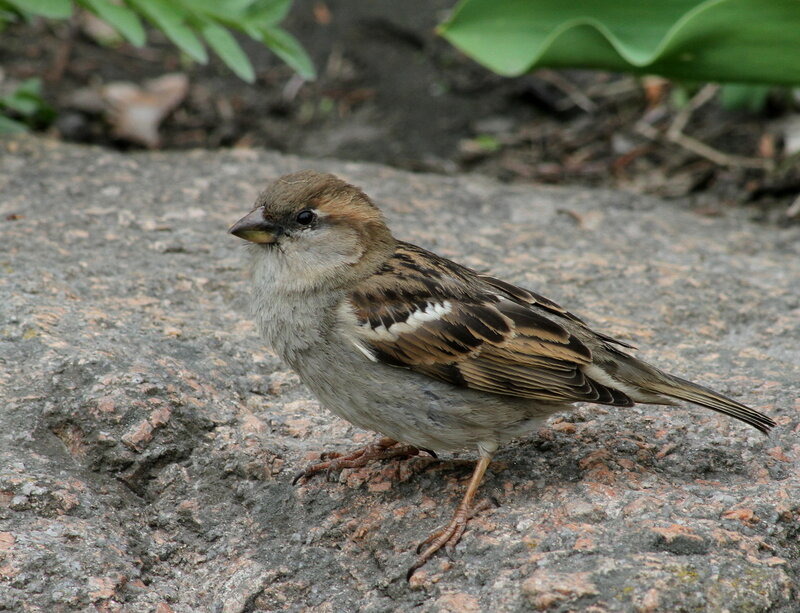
{"points": [[148, 438]]}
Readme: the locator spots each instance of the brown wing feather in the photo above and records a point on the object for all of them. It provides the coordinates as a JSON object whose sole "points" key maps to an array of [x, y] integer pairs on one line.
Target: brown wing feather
{"points": [[443, 320], [525, 296]]}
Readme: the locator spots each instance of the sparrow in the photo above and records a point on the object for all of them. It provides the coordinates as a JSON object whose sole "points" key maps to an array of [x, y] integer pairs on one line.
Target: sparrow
{"points": [[432, 355]]}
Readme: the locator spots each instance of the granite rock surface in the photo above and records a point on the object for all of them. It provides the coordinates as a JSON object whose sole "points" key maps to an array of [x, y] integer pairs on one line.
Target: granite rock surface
{"points": [[148, 439]]}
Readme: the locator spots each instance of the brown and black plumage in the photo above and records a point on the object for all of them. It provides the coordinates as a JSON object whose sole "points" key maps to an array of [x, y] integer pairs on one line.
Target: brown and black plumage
{"points": [[489, 335]]}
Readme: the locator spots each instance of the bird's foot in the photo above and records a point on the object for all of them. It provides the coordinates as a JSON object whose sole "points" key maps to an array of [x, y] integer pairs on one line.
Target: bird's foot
{"points": [[448, 536], [383, 449]]}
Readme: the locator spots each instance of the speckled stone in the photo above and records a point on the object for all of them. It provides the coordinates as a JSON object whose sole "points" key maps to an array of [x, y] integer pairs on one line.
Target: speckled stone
{"points": [[148, 439]]}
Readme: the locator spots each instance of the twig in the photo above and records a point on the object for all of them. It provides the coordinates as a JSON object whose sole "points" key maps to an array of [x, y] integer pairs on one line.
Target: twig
{"points": [[575, 95], [706, 93], [646, 130], [675, 134], [62, 53], [794, 209], [715, 155], [292, 87], [614, 88]]}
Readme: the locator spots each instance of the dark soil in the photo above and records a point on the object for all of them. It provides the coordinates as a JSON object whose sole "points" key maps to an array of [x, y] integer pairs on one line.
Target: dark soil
{"points": [[391, 91]]}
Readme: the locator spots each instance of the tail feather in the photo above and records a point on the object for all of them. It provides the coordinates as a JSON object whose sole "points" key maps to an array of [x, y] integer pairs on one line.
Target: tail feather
{"points": [[675, 387]]}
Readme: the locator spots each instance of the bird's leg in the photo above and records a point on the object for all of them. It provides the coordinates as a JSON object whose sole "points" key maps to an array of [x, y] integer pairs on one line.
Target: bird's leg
{"points": [[382, 449], [449, 536]]}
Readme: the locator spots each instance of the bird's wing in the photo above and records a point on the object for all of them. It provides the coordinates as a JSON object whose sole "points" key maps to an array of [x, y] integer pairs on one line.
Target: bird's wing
{"points": [[435, 317]]}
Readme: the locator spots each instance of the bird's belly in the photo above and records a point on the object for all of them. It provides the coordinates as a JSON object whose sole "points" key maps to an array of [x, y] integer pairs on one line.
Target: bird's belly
{"points": [[410, 407]]}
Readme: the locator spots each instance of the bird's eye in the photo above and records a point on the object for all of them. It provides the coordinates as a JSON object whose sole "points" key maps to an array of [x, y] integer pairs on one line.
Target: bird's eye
{"points": [[305, 217]]}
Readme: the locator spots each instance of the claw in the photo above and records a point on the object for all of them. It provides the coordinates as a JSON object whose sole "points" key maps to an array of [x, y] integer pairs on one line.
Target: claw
{"points": [[332, 462], [298, 476], [449, 536]]}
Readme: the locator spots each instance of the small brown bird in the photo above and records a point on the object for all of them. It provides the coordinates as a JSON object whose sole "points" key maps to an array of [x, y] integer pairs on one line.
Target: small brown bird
{"points": [[431, 354]]}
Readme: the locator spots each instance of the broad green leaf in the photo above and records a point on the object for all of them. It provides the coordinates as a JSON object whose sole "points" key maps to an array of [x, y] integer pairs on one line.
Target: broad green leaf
{"points": [[54, 9], [753, 41], [121, 18], [226, 47], [170, 20], [286, 47], [9, 126]]}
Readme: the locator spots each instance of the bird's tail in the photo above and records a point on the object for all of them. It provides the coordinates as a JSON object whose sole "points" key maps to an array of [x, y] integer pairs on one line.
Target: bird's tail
{"points": [[681, 389], [646, 383]]}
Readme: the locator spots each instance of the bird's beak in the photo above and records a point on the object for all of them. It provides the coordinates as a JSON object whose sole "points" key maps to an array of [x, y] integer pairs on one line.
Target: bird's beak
{"points": [[254, 228]]}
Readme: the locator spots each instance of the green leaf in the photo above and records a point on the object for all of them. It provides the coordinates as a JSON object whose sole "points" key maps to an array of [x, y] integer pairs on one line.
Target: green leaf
{"points": [[229, 12], [226, 47], [234, 6], [753, 41], [53, 9], [681, 94], [170, 20], [223, 7], [286, 47], [121, 18], [22, 103], [7, 14], [9, 126], [487, 143], [268, 12], [735, 96], [27, 102], [26, 99]]}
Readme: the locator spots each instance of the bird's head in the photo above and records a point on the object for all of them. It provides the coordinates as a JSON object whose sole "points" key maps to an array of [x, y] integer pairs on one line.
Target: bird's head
{"points": [[320, 228]]}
